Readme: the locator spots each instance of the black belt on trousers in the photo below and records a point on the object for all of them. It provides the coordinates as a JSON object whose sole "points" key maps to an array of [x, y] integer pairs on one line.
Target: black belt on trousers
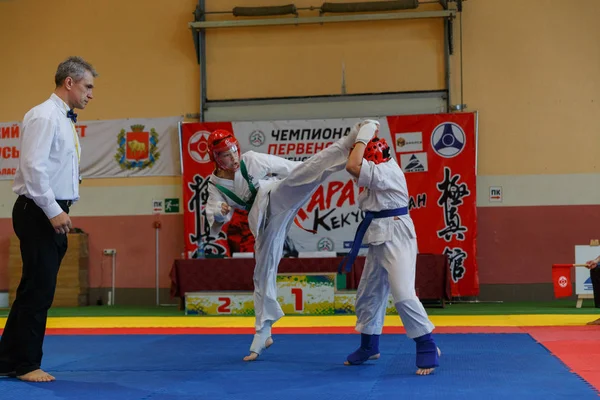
{"points": [[64, 203]]}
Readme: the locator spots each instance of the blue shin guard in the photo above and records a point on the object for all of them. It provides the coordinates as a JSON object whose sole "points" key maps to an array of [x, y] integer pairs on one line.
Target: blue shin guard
{"points": [[369, 349], [427, 352]]}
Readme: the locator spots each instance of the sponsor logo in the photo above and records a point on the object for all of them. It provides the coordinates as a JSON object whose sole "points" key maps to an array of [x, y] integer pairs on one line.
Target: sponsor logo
{"points": [[416, 162], [409, 142], [348, 245], [257, 138], [325, 244]]}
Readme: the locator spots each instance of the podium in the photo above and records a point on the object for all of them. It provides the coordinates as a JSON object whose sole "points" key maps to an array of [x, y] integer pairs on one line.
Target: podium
{"points": [[298, 294]]}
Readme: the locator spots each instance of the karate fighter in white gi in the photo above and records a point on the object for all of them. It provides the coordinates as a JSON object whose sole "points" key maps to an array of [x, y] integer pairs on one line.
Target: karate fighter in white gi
{"points": [[272, 189], [391, 258]]}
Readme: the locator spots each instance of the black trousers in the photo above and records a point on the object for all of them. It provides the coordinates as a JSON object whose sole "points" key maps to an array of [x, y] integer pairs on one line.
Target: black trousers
{"points": [[42, 250], [595, 275]]}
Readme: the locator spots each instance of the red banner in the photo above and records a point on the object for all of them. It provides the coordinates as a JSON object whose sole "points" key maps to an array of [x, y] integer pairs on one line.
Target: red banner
{"points": [[437, 153], [197, 167]]}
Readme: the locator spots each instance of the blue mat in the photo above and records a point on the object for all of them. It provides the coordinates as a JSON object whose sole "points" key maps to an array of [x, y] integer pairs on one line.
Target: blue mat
{"points": [[155, 367]]}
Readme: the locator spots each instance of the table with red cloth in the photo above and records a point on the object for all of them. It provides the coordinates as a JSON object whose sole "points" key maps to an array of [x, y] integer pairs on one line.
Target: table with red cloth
{"points": [[230, 274]]}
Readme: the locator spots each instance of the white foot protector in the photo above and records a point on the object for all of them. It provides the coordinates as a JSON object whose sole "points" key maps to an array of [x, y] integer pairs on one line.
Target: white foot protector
{"points": [[262, 340]]}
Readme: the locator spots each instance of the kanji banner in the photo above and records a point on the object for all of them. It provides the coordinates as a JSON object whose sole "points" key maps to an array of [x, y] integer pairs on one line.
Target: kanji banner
{"points": [[437, 153], [111, 148]]}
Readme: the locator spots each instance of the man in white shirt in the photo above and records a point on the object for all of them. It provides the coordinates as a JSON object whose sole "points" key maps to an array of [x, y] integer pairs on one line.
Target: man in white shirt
{"points": [[47, 182], [392, 256], [594, 267]]}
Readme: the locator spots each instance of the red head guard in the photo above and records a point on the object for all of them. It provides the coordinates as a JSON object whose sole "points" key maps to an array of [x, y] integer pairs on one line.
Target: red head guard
{"points": [[224, 149], [377, 150]]}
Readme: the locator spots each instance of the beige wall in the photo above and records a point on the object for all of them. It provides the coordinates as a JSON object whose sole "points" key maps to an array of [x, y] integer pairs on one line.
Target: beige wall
{"points": [[305, 60], [142, 50], [530, 67]]}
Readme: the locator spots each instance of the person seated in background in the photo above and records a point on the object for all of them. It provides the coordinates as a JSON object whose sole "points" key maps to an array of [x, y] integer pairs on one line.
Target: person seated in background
{"points": [[594, 267]]}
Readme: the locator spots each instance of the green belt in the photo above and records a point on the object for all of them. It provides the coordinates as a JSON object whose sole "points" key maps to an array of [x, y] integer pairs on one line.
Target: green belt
{"points": [[247, 205]]}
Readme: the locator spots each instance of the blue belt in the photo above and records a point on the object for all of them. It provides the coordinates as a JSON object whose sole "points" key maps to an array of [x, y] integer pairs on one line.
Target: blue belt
{"points": [[362, 229]]}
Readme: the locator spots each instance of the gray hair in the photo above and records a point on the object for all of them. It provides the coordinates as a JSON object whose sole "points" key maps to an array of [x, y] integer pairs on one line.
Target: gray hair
{"points": [[74, 67]]}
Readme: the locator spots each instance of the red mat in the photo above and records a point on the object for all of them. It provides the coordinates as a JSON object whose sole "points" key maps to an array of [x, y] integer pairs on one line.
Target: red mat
{"points": [[577, 347], [553, 333]]}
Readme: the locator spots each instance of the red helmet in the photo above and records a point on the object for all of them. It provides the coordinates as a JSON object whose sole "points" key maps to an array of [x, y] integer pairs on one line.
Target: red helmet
{"points": [[222, 143], [377, 150]]}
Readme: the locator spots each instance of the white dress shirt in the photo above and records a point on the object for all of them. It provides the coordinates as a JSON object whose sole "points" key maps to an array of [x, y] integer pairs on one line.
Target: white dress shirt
{"points": [[49, 163]]}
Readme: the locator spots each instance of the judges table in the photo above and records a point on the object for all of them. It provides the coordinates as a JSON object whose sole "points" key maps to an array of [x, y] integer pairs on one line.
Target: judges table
{"points": [[228, 274]]}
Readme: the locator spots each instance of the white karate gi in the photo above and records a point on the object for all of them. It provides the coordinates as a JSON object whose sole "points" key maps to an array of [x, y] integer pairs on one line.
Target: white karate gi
{"points": [[276, 204], [391, 259]]}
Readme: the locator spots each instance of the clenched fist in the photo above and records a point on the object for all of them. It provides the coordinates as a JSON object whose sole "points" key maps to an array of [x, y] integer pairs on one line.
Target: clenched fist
{"points": [[368, 129], [225, 208], [61, 223]]}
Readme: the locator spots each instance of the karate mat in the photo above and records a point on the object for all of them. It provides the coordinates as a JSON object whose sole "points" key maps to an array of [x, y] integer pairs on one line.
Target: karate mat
{"points": [[176, 357], [308, 366]]}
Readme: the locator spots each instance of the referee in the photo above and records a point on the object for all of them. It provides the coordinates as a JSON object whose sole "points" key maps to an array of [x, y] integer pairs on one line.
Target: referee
{"points": [[47, 183]]}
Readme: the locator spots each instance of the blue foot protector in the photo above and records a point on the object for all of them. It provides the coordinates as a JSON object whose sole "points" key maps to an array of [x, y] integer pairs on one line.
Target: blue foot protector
{"points": [[369, 350], [427, 352]]}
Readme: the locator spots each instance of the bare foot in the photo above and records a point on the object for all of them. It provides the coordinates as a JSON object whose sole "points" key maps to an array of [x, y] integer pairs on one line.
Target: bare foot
{"points": [[36, 376], [373, 357], [427, 371], [253, 356], [596, 322]]}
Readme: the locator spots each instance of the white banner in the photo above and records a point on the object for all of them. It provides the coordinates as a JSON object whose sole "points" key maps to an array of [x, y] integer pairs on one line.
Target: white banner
{"points": [[583, 280], [333, 209], [111, 149]]}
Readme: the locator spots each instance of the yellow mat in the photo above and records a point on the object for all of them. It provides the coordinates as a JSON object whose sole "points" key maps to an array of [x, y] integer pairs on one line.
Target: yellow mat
{"points": [[316, 321]]}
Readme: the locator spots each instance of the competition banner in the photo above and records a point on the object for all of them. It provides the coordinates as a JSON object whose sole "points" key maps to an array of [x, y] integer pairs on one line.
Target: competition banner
{"points": [[437, 153]]}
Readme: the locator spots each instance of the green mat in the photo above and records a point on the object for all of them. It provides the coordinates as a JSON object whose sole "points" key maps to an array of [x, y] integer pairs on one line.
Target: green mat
{"points": [[108, 311], [551, 307]]}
